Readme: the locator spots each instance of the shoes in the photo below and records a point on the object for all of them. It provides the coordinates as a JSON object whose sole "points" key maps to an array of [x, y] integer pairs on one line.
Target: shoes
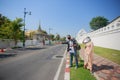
{"points": [[76, 67]]}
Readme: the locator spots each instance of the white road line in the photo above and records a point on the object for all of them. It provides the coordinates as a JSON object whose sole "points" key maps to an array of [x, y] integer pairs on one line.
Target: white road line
{"points": [[59, 68]]}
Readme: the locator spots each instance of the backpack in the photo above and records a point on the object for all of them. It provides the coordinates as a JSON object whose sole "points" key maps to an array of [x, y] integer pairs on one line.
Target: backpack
{"points": [[78, 47]]}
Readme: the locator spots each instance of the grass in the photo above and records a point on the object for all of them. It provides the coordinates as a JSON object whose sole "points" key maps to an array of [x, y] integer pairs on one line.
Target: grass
{"points": [[111, 54], [84, 74], [80, 73]]}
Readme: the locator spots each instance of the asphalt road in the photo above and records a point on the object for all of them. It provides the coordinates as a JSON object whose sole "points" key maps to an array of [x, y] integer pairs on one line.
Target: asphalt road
{"points": [[33, 64]]}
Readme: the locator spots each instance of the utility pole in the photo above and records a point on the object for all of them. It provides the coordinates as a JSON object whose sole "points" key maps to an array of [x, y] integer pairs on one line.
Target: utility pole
{"points": [[29, 13], [49, 35]]}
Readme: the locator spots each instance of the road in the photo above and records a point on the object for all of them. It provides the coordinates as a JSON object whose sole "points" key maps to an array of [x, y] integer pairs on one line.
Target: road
{"points": [[33, 64]]}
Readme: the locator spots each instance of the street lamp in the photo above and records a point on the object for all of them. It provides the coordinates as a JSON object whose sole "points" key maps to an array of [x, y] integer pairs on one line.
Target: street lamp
{"points": [[29, 13]]}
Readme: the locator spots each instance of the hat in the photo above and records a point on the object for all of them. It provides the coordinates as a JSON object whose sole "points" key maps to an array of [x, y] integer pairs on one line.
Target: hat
{"points": [[86, 40]]}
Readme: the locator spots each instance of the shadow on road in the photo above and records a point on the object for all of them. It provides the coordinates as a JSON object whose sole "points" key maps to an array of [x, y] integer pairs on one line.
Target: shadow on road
{"points": [[34, 48], [7, 55], [14, 52], [25, 49]]}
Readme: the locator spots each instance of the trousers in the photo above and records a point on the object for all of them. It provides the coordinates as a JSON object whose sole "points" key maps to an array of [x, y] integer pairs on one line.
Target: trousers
{"points": [[71, 59]]}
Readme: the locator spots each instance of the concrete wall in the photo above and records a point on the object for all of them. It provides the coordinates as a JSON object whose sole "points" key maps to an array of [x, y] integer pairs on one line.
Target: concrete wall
{"points": [[6, 43], [108, 37], [10, 43], [111, 40]]}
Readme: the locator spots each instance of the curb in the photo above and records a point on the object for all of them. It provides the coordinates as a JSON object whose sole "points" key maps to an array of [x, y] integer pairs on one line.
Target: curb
{"points": [[67, 69]]}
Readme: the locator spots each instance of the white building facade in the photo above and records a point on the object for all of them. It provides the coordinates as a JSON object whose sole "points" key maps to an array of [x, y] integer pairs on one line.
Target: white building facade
{"points": [[108, 36]]}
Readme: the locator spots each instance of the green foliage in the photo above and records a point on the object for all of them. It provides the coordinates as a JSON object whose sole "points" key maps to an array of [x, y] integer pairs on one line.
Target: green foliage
{"points": [[52, 37], [80, 73], [11, 29], [4, 27], [63, 39], [15, 29], [57, 37], [3, 20], [98, 22]]}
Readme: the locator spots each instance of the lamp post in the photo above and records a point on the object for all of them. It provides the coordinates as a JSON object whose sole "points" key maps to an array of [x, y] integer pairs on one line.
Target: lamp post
{"points": [[29, 13]]}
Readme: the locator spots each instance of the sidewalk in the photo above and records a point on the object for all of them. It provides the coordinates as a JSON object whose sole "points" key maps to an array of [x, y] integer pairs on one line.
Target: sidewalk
{"points": [[104, 69]]}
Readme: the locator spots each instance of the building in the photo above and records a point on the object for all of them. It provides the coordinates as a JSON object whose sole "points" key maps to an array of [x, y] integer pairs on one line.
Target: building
{"points": [[38, 34]]}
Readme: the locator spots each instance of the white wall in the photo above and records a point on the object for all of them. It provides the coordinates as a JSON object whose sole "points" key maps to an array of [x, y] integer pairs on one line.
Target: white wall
{"points": [[28, 43], [6, 43], [108, 37], [109, 41]]}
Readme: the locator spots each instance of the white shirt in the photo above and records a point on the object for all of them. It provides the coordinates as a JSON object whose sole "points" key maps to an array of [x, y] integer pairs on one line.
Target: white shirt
{"points": [[71, 47]]}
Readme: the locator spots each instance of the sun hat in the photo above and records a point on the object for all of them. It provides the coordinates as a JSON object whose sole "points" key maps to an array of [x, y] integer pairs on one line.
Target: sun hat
{"points": [[86, 40]]}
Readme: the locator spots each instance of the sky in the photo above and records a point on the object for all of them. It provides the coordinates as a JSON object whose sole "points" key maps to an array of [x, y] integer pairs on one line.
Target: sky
{"points": [[62, 16]]}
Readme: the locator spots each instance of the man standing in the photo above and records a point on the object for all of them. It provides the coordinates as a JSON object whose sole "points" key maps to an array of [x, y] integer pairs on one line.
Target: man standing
{"points": [[72, 49]]}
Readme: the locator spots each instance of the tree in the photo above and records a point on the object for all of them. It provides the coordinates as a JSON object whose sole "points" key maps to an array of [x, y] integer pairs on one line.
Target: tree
{"points": [[4, 27], [98, 22], [11, 29], [63, 39], [15, 29], [3, 20], [57, 37], [52, 37]]}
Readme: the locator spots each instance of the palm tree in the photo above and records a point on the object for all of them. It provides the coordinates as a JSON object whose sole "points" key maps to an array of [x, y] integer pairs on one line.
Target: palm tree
{"points": [[15, 29]]}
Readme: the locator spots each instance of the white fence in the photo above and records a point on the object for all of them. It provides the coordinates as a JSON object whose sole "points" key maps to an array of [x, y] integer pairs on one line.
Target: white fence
{"points": [[108, 36], [10, 43], [6, 43]]}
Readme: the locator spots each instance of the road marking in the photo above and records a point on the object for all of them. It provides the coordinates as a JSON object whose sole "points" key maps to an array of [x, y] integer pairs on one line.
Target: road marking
{"points": [[59, 68]]}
